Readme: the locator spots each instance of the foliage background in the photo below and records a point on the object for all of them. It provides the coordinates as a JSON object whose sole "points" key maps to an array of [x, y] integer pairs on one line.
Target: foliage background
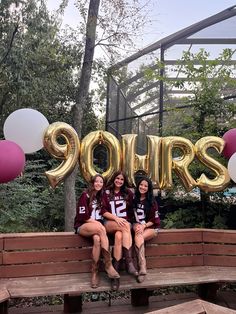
{"points": [[40, 67]]}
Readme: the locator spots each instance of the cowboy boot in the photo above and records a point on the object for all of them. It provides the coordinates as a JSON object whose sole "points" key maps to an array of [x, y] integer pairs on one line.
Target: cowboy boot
{"points": [[141, 259], [111, 272], [140, 253], [95, 276], [129, 261], [115, 283]]}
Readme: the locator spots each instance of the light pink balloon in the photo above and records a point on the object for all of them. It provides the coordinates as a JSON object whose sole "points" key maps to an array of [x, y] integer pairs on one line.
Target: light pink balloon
{"points": [[230, 143], [232, 167], [12, 161]]}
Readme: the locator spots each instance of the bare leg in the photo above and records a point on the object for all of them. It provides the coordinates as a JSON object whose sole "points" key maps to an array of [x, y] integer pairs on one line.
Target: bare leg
{"points": [[112, 227], [96, 250], [118, 245], [89, 229], [140, 237], [98, 232]]}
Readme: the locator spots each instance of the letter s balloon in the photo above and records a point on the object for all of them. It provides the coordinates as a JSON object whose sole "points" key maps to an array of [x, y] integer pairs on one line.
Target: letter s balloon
{"points": [[222, 178]]}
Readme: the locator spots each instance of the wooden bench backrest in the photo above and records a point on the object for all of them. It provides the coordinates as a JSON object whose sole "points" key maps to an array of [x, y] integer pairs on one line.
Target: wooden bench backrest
{"points": [[36, 254], [192, 247], [219, 247], [174, 248]]}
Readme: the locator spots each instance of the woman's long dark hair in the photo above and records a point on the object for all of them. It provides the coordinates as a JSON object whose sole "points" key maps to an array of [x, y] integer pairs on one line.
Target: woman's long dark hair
{"points": [[148, 202], [93, 194], [124, 187]]}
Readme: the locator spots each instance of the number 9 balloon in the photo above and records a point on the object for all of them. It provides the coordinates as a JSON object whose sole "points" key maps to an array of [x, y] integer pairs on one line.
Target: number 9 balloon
{"points": [[68, 152]]}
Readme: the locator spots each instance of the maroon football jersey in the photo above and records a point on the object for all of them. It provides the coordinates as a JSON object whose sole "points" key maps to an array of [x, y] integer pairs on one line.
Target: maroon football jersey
{"points": [[144, 215], [119, 205], [84, 210]]}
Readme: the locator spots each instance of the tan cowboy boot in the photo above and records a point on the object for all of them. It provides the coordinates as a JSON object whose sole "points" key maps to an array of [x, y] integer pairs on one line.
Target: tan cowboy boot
{"points": [[111, 272], [95, 276], [140, 252], [115, 283], [129, 261], [142, 260]]}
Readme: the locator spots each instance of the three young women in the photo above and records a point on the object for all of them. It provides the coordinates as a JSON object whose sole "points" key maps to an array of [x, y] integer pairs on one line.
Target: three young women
{"points": [[89, 223]]}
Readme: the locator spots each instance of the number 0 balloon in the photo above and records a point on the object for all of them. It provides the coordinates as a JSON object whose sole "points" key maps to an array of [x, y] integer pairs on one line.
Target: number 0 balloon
{"points": [[26, 128]]}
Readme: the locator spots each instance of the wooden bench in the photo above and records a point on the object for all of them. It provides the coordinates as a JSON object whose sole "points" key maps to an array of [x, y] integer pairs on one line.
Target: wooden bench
{"points": [[58, 263]]}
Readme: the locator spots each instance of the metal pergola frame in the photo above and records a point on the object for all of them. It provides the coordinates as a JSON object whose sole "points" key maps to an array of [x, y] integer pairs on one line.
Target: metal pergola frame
{"points": [[181, 37]]}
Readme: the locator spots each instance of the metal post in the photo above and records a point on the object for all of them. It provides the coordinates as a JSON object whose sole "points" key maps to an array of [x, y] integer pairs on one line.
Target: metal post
{"points": [[107, 102], [161, 101]]}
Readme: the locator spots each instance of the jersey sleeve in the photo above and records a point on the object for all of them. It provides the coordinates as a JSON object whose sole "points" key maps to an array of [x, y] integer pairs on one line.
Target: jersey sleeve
{"points": [[154, 215], [82, 210]]}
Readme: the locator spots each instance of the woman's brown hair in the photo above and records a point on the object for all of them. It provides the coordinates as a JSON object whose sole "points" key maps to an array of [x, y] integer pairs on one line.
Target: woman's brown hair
{"points": [[124, 188], [93, 194]]}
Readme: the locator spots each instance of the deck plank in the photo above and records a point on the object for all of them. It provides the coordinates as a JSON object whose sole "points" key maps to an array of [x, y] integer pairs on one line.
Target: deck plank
{"points": [[123, 305]]}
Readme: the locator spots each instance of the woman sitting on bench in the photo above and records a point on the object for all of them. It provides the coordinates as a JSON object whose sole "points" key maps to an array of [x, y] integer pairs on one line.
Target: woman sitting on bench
{"points": [[118, 216], [89, 223], [147, 221]]}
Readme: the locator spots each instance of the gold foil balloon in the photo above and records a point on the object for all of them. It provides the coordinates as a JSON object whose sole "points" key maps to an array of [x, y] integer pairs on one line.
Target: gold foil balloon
{"points": [[222, 178], [133, 162], [88, 144], [179, 164], [68, 152]]}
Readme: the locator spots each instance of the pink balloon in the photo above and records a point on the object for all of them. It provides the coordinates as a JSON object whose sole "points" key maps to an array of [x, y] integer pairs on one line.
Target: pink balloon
{"points": [[12, 161], [230, 143]]}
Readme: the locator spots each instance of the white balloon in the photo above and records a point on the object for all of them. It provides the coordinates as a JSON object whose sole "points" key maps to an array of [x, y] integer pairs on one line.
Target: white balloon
{"points": [[232, 167], [26, 128]]}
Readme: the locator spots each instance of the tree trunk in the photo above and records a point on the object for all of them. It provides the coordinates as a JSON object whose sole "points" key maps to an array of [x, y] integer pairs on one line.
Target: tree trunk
{"points": [[77, 110]]}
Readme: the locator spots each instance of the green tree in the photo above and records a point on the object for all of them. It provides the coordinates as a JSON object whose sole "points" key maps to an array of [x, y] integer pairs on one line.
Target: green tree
{"points": [[208, 114], [37, 70], [115, 19], [38, 63]]}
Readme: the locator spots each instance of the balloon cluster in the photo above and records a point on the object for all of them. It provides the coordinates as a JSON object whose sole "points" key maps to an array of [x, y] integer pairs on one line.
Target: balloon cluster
{"points": [[23, 131], [230, 152], [27, 131]]}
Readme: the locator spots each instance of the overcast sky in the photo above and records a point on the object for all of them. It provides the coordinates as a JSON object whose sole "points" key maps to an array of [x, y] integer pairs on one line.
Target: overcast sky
{"points": [[168, 16]]}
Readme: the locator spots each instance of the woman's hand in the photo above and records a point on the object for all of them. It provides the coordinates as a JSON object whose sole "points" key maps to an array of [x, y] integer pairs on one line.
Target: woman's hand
{"points": [[121, 221], [140, 228]]}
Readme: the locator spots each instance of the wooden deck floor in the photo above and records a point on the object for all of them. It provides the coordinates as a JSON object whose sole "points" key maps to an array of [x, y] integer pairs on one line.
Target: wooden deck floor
{"points": [[225, 298]]}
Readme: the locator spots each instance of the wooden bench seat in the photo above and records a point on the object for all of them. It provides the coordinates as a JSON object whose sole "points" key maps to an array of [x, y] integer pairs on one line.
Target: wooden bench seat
{"points": [[79, 283], [40, 264]]}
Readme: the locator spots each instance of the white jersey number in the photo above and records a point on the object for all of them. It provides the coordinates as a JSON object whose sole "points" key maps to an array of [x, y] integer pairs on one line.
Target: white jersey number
{"points": [[95, 214], [118, 208], [140, 213]]}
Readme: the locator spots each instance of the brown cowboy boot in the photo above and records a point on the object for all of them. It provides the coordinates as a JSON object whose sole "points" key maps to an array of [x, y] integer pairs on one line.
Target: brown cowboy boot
{"points": [[129, 261], [141, 260], [115, 283], [95, 276], [140, 252], [111, 272]]}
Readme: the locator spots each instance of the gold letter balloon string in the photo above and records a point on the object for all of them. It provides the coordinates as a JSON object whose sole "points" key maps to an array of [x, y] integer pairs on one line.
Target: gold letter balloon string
{"points": [[222, 178], [68, 152]]}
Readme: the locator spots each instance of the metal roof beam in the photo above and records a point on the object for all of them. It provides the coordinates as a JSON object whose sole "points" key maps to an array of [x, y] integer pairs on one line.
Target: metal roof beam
{"points": [[173, 38]]}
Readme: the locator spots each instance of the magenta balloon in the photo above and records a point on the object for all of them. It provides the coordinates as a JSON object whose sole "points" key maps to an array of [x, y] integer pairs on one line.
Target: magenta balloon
{"points": [[12, 161], [230, 143]]}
